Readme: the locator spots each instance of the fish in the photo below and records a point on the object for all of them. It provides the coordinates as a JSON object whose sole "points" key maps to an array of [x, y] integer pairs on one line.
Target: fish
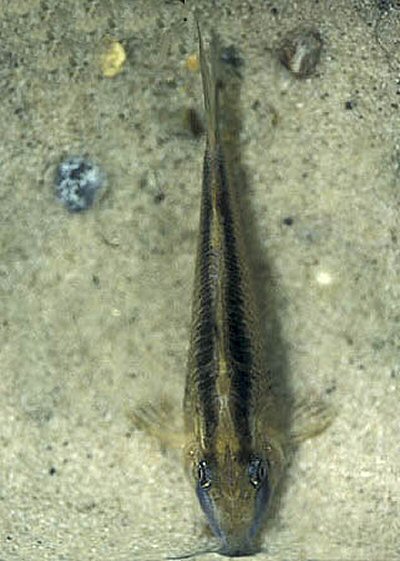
{"points": [[240, 428], [234, 451]]}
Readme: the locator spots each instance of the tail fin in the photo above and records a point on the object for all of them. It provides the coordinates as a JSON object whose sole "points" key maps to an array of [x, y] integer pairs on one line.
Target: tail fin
{"points": [[210, 84]]}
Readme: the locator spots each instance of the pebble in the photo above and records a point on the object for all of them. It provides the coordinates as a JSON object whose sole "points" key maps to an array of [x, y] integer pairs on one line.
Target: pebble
{"points": [[301, 51], [113, 60], [78, 181], [324, 278]]}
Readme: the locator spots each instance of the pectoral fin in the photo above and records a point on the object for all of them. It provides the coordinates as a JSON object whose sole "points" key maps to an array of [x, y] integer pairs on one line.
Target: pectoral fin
{"points": [[160, 420], [309, 419]]}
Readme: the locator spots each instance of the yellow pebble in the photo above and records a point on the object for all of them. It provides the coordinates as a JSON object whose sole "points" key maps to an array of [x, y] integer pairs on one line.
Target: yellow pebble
{"points": [[192, 63], [113, 60]]}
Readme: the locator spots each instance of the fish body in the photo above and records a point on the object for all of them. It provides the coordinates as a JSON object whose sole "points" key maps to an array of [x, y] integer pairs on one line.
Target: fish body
{"points": [[233, 452]]}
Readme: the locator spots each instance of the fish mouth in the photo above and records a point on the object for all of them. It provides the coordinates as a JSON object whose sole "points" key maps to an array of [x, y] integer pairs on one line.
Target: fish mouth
{"points": [[228, 548], [238, 550], [238, 546]]}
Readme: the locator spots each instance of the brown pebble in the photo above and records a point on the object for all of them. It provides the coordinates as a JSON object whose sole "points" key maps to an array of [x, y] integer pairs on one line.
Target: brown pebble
{"points": [[301, 51]]}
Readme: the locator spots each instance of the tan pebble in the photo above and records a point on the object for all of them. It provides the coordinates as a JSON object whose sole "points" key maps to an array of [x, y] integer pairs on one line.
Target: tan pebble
{"points": [[192, 63], [112, 61]]}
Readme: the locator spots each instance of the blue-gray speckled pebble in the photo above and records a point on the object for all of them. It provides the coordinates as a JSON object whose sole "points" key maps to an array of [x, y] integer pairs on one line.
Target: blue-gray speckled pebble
{"points": [[77, 182]]}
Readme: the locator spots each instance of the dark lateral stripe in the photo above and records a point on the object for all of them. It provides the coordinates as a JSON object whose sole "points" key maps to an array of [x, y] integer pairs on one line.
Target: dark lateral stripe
{"points": [[205, 327], [239, 336]]}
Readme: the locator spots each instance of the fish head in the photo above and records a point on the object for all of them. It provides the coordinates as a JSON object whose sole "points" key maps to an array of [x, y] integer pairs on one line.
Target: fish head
{"points": [[234, 491]]}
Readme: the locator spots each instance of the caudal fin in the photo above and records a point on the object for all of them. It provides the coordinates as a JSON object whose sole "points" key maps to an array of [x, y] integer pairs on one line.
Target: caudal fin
{"points": [[209, 75]]}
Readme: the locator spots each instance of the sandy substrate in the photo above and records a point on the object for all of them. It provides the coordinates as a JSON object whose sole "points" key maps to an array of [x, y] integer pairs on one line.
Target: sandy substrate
{"points": [[95, 307]]}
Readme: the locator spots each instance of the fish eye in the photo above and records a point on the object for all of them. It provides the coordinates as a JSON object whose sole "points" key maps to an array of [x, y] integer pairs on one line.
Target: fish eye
{"points": [[257, 471], [203, 475]]}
